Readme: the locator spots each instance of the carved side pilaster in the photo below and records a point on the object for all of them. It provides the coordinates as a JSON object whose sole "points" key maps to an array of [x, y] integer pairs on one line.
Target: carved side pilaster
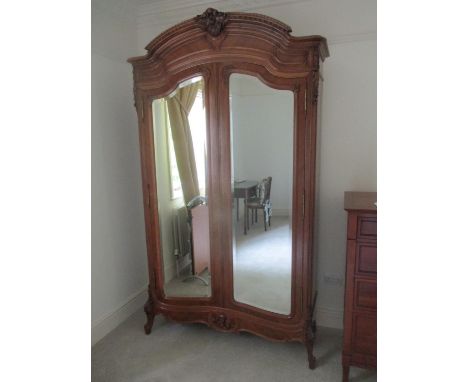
{"points": [[315, 62], [139, 105], [310, 332], [310, 340], [315, 86]]}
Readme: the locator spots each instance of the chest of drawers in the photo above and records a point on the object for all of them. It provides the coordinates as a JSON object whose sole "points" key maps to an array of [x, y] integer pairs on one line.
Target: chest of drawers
{"points": [[360, 311]]}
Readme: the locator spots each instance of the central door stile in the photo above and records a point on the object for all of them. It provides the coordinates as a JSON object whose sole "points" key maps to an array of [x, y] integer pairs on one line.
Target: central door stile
{"points": [[225, 210], [212, 150]]}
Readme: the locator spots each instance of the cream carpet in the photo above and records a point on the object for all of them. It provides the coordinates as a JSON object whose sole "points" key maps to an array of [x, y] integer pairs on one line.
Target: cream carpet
{"points": [[194, 353], [262, 268], [262, 265]]}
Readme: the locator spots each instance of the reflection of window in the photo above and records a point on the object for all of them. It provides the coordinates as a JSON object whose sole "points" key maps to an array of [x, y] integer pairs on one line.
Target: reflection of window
{"points": [[176, 186], [198, 130]]}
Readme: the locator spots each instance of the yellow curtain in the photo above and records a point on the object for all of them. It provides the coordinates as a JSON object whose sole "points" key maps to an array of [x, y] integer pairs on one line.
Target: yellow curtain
{"points": [[178, 108]]}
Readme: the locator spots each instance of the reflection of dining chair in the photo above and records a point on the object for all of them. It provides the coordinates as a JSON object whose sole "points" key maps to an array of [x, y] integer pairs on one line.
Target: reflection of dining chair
{"points": [[260, 202]]}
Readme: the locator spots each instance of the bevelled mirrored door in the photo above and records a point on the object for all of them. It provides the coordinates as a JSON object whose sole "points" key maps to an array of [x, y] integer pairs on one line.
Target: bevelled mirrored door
{"points": [[179, 130], [262, 132]]}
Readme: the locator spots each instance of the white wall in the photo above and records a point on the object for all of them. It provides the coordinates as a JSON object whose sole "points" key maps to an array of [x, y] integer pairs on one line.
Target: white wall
{"points": [[347, 159], [119, 275]]}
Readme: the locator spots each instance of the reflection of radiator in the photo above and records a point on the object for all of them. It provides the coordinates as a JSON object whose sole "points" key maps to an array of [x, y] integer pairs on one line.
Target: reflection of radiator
{"points": [[181, 238], [201, 239]]}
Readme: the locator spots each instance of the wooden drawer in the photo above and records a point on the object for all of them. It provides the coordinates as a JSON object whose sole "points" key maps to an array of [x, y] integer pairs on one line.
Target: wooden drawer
{"points": [[367, 228], [366, 258], [365, 294], [360, 315], [361, 360], [364, 337]]}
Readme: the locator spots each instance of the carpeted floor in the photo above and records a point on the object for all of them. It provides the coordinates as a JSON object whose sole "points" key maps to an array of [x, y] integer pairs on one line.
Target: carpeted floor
{"points": [[262, 268], [195, 353], [262, 265]]}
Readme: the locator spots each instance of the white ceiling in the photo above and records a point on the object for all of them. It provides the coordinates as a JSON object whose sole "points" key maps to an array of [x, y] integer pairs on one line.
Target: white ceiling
{"points": [[339, 20], [173, 11]]}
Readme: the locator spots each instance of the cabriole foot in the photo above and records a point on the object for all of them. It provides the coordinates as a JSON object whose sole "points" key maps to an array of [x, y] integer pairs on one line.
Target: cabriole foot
{"points": [[345, 373], [310, 344], [149, 310]]}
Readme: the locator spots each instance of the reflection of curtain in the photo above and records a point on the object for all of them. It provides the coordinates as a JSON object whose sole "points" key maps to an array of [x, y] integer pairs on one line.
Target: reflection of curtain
{"points": [[178, 108]]}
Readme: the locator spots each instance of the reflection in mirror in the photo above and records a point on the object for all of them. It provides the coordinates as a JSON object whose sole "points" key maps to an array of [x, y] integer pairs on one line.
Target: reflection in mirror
{"points": [[179, 128], [262, 122]]}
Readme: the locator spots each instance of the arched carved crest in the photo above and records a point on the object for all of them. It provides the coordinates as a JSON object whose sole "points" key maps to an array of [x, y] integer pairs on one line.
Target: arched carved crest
{"points": [[216, 36]]}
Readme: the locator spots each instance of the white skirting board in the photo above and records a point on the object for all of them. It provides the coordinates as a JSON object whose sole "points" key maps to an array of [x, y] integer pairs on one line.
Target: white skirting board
{"points": [[103, 326], [330, 318]]}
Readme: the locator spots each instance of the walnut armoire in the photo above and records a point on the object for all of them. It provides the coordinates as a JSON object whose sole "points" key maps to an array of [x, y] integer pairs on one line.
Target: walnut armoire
{"points": [[214, 46]]}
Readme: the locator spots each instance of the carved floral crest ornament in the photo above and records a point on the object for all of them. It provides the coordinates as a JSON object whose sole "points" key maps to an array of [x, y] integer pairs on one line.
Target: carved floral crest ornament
{"points": [[212, 21]]}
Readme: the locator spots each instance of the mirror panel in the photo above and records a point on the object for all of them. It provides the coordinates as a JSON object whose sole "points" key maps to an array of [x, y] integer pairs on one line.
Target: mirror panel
{"points": [[179, 130], [262, 132]]}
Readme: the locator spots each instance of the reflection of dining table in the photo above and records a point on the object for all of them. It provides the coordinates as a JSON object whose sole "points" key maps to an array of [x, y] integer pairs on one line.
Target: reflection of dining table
{"points": [[244, 189]]}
